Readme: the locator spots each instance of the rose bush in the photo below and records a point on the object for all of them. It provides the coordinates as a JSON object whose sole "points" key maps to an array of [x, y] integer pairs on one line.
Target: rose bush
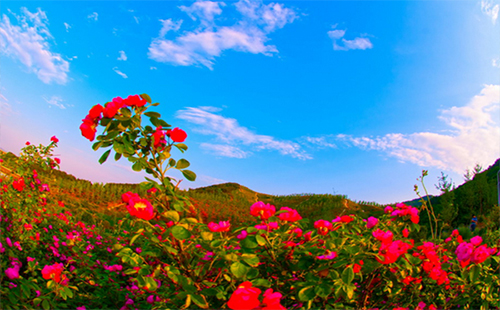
{"points": [[159, 256]]}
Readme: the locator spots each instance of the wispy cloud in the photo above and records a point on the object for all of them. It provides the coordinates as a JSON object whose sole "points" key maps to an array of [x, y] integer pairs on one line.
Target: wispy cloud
{"points": [[93, 16], [495, 62], [67, 26], [28, 43], [5, 108], [235, 138], [473, 137], [123, 75], [490, 9], [55, 101], [342, 44], [320, 142], [208, 41], [225, 150], [123, 56]]}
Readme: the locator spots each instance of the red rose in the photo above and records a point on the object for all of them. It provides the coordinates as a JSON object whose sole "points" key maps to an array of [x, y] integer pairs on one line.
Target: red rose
{"points": [[54, 139], [135, 100], [140, 208], [177, 135], [158, 137], [95, 112], [88, 128], [245, 297]]}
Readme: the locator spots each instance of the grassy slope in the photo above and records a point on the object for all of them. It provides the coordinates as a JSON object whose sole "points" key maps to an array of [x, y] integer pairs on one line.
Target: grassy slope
{"points": [[231, 201]]}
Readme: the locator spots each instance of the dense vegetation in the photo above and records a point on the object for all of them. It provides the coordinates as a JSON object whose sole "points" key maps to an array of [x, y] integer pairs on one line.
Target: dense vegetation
{"points": [[71, 244]]}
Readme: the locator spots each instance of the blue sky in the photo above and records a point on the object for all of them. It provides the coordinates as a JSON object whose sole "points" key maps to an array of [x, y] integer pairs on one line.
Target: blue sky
{"points": [[345, 97]]}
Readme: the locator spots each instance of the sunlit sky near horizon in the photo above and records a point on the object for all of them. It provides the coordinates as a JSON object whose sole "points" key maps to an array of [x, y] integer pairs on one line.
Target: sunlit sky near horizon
{"points": [[284, 97]]}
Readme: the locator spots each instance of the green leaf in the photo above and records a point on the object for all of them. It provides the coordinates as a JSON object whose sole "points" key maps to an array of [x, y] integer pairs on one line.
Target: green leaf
{"points": [[251, 259], [96, 145], [347, 275], [207, 236], [155, 104], [156, 122], [104, 157], [118, 147], [349, 289], [125, 112], [260, 240], [474, 273], [172, 215], [68, 291], [146, 97], [130, 271], [137, 166], [180, 233], [238, 269], [182, 147], [118, 156], [45, 304], [261, 282], [188, 174], [134, 238], [182, 163], [153, 114], [200, 301], [249, 242], [307, 293]]}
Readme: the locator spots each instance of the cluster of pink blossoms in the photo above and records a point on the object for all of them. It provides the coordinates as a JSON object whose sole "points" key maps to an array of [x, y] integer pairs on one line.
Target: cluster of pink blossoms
{"points": [[404, 210], [54, 272], [474, 251], [429, 253], [246, 297], [390, 250], [221, 227]]}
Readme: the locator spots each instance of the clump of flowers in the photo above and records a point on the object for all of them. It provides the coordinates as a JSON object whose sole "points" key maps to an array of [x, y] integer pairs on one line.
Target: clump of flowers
{"points": [[54, 272], [221, 227], [290, 216], [473, 252], [246, 297], [262, 210], [402, 210]]}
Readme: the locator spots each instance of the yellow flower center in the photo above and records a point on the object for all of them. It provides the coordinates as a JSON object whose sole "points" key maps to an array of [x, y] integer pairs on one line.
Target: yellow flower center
{"points": [[140, 206]]}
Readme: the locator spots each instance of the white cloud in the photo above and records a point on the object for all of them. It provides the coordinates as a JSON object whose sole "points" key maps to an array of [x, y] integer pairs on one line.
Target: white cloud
{"points": [[28, 43], [495, 62], [93, 16], [123, 56], [225, 150], [235, 137], [209, 40], [321, 142], [169, 25], [5, 108], [490, 10], [473, 138], [136, 19], [123, 75], [67, 26], [210, 180], [55, 101], [205, 11], [358, 43], [153, 68]]}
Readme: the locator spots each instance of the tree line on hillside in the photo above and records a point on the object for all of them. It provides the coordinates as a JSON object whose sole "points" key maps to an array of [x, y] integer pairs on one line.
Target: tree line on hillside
{"points": [[478, 196]]}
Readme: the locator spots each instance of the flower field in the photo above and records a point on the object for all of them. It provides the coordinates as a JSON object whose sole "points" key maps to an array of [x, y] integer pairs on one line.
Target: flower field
{"points": [[162, 256]]}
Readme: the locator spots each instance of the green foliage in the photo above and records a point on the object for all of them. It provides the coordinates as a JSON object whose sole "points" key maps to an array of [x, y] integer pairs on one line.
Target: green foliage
{"points": [[65, 255]]}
